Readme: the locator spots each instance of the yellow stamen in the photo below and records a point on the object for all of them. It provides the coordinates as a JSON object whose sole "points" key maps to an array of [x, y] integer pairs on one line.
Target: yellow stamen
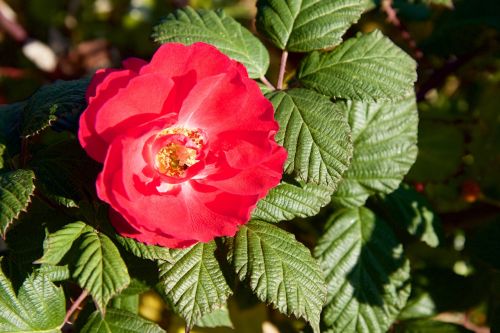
{"points": [[174, 159]]}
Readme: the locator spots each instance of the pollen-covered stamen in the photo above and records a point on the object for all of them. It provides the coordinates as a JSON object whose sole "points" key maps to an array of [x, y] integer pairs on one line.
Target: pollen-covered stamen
{"points": [[174, 159], [177, 149]]}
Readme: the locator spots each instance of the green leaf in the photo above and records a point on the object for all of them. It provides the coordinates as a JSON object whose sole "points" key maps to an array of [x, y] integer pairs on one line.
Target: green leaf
{"points": [[98, 267], [408, 208], [316, 135], [217, 318], [421, 305], [16, 189], [307, 25], [2, 151], [128, 303], [288, 201], [279, 269], [428, 326], [366, 272], [385, 147], [55, 273], [194, 282], [39, 306], [57, 244], [141, 250], [50, 101], [189, 26], [366, 68], [119, 321], [129, 298], [64, 172], [441, 148], [445, 3]]}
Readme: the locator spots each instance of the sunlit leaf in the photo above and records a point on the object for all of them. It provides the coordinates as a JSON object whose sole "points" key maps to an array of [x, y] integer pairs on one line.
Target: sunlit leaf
{"points": [[279, 270], [366, 68]]}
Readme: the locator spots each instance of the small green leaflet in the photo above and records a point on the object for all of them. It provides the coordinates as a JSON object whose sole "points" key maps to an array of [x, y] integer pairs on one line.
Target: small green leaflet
{"points": [[141, 250], [420, 305], [288, 201], [56, 245], [446, 3], [99, 268], [315, 133], [121, 321], [16, 189], [49, 101], [217, 318], [94, 261], [55, 273], [385, 147], [194, 282], [2, 151], [279, 269], [189, 26], [129, 298], [429, 326], [39, 306], [409, 209], [306, 25], [366, 68], [366, 272]]}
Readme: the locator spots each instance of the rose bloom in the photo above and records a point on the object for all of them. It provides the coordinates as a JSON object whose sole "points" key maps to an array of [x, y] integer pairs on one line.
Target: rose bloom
{"points": [[187, 145]]}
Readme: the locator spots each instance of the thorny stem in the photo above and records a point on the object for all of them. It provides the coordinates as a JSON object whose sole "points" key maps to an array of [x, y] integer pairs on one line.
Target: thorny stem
{"points": [[392, 17], [281, 77], [267, 83], [12, 28], [75, 305]]}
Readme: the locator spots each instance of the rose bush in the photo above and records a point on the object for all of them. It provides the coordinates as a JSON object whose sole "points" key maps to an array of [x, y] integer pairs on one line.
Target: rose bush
{"points": [[187, 145]]}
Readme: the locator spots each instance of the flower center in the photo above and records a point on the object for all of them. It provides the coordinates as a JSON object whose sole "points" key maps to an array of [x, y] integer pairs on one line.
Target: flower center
{"points": [[177, 149], [174, 159]]}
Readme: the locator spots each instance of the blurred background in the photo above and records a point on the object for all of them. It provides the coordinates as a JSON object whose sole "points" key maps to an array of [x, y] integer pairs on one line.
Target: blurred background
{"points": [[457, 47]]}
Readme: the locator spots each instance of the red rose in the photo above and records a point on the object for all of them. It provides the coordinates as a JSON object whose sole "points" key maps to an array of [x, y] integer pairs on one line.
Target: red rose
{"points": [[187, 143]]}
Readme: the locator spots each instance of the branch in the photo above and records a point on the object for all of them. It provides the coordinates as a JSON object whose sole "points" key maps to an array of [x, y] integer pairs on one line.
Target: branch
{"points": [[281, 77], [392, 18], [75, 305], [12, 28]]}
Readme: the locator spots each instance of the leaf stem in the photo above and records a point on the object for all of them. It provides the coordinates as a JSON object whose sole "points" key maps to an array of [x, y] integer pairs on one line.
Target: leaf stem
{"points": [[187, 329], [267, 83], [281, 77], [76, 304]]}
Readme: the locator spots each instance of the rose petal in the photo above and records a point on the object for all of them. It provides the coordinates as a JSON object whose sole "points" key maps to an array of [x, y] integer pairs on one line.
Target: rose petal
{"points": [[174, 59], [117, 110], [134, 64], [226, 103]]}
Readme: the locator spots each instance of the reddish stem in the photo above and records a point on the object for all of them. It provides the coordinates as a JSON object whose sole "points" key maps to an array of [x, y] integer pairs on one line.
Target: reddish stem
{"points": [[13, 29], [392, 18], [281, 77], [75, 305], [267, 83]]}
